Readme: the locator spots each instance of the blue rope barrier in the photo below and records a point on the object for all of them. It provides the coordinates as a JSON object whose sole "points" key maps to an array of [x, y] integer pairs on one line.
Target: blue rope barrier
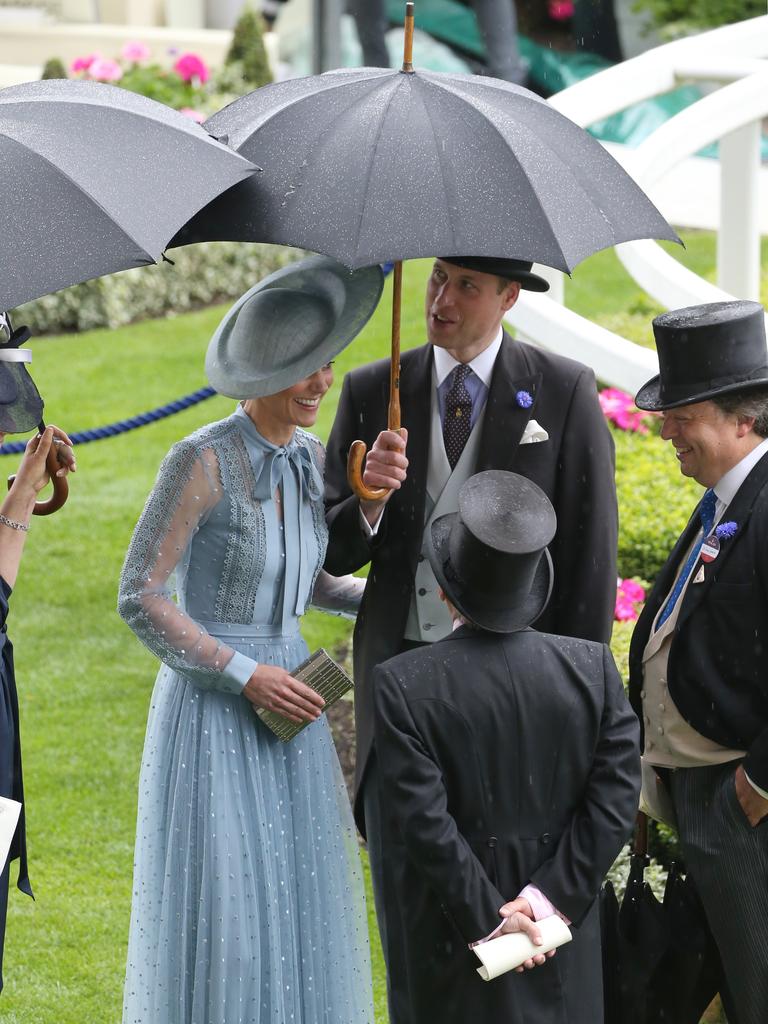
{"points": [[122, 426]]}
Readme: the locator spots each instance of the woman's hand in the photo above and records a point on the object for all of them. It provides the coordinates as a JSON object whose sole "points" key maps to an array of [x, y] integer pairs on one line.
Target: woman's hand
{"points": [[33, 473], [275, 689]]}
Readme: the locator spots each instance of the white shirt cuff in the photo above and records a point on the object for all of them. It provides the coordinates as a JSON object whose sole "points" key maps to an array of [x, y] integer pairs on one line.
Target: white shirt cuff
{"points": [[237, 672], [368, 530]]}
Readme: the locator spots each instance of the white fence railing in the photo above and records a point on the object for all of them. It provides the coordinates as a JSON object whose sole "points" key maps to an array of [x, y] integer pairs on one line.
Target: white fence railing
{"points": [[732, 58]]}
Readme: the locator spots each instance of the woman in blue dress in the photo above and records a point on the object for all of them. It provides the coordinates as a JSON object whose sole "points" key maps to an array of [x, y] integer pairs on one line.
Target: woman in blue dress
{"points": [[247, 900]]}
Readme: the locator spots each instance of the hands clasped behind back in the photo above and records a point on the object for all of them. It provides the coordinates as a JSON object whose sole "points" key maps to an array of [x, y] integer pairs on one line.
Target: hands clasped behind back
{"points": [[518, 917], [274, 689]]}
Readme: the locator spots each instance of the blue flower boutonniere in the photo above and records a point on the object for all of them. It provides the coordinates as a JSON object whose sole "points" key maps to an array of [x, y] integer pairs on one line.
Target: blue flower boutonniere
{"points": [[524, 399], [725, 530]]}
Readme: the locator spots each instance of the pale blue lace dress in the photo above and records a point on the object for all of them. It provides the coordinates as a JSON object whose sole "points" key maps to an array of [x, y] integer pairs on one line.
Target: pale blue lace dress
{"points": [[247, 899]]}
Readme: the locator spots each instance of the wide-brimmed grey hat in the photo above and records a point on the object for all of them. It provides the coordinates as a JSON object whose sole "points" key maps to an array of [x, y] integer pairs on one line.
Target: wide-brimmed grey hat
{"points": [[289, 325], [491, 556], [21, 407]]}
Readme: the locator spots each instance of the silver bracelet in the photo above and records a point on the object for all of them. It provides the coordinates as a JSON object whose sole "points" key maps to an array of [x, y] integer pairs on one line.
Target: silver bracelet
{"points": [[14, 525]]}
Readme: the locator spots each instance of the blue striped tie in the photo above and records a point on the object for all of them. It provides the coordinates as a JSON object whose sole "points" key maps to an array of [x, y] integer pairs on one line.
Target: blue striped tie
{"points": [[707, 516]]}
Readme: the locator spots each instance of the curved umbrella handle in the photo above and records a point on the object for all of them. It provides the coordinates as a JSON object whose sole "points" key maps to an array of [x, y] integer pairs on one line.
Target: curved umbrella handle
{"points": [[357, 452], [355, 461], [60, 487]]}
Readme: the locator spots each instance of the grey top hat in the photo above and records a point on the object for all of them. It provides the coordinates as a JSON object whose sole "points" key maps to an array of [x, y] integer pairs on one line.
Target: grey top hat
{"points": [[289, 325], [491, 556], [705, 351]]}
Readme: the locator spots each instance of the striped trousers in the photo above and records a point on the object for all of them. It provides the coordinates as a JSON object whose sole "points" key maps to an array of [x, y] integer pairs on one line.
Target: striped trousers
{"points": [[728, 861]]}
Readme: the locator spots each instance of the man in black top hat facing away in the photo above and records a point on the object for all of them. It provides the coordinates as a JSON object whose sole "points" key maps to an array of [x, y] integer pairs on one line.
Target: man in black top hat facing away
{"points": [[509, 775], [699, 653]]}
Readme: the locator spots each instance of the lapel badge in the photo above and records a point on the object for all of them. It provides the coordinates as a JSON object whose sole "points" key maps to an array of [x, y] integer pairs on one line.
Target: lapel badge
{"points": [[699, 577], [710, 549]]}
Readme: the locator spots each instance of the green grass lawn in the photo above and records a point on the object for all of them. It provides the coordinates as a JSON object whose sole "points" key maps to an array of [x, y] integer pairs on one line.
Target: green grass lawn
{"points": [[84, 681]]}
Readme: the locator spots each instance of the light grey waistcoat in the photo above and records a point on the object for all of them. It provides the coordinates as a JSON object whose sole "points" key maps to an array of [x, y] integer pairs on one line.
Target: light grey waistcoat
{"points": [[428, 617]]}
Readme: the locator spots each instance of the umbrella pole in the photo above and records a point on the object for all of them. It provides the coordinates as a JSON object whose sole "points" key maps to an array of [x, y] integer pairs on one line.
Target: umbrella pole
{"points": [[393, 415], [357, 452]]}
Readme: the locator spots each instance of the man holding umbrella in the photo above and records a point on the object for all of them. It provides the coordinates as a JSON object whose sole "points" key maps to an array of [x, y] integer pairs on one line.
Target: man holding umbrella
{"points": [[699, 653], [471, 399]]}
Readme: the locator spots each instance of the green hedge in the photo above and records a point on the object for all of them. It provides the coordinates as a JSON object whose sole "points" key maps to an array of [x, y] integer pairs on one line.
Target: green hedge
{"points": [[655, 501], [200, 275]]}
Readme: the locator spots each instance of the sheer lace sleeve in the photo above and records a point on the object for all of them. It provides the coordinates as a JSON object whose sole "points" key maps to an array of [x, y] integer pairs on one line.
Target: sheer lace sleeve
{"points": [[188, 486], [339, 595]]}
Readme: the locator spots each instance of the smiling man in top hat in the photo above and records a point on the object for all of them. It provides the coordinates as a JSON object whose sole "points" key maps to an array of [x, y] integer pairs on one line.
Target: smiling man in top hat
{"points": [[699, 653], [509, 771]]}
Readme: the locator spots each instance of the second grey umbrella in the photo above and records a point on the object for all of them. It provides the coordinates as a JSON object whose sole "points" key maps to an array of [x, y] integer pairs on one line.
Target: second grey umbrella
{"points": [[95, 179]]}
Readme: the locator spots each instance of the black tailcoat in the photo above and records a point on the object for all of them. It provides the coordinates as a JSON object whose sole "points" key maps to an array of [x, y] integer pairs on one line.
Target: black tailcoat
{"points": [[503, 760], [718, 659], [574, 468]]}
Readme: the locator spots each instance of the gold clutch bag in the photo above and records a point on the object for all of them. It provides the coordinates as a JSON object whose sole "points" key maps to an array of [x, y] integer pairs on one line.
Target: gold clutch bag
{"points": [[324, 676]]}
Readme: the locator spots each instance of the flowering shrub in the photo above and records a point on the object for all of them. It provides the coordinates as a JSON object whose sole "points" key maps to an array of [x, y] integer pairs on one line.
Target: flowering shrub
{"points": [[186, 85], [629, 594], [560, 10], [620, 408]]}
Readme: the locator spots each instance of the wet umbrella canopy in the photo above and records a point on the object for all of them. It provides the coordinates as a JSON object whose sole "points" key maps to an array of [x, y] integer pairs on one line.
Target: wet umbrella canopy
{"points": [[95, 179], [370, 164]]}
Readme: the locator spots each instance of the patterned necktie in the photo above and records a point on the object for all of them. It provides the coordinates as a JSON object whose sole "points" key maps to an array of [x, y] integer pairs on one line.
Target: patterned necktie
{"points": [[458, 415], [707, 517]]}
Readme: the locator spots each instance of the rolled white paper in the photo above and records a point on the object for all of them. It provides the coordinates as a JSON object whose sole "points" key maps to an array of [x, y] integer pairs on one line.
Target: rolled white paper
{"points": [[9, 815], [508, 951]]}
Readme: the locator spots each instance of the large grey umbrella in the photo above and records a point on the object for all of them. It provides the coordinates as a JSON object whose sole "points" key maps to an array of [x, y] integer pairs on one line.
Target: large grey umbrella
{"points": [[95, 179], [370, 164]]}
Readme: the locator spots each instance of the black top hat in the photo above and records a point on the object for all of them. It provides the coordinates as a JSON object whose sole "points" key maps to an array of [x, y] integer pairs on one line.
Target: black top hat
{"points": [[491, 556], [21, 407], [705, 351], [514, 270]]}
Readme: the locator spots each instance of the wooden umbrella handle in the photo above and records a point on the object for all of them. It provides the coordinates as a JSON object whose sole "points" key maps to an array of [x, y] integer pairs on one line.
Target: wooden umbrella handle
{"points": [[357, 452], [60, 486]]}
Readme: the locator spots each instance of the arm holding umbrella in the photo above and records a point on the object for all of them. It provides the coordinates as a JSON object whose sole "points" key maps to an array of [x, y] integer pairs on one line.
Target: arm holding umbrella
{"points": [[15, 512]]}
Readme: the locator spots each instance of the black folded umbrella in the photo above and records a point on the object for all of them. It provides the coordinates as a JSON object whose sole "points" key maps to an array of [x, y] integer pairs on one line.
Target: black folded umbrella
{"points": [[635, 938], [660, 961], [689, 974]]}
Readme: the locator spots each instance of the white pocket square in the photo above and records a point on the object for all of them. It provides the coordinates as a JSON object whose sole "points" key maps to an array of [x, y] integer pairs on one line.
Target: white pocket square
{"points": [[533, 433]]}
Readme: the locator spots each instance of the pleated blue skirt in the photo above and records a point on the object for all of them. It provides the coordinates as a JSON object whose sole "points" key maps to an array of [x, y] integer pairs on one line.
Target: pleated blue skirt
{"points": [[248, 903]]}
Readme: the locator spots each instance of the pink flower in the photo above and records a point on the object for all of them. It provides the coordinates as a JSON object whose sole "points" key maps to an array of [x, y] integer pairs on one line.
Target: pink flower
{"points": [[105, 70], [194, 114], [135, 52], [560, 10], [83, 63], [628, 595], [189, 66], [619, 408]]}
